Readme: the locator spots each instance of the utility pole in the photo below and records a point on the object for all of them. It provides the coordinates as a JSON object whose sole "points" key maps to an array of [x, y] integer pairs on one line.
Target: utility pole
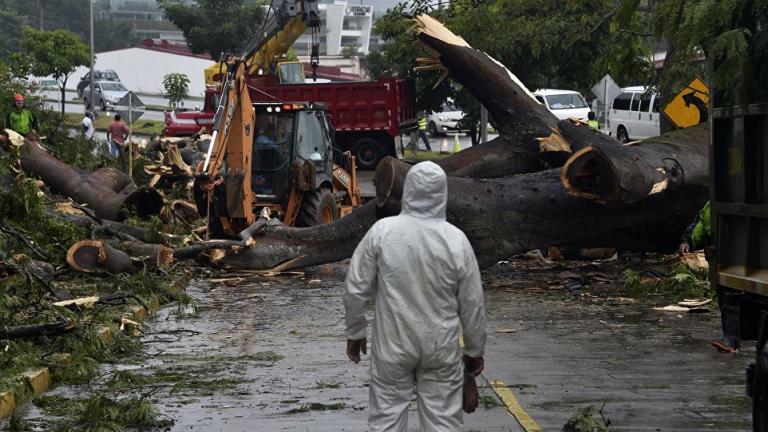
{"points": [[40, 13], [90, 101]]}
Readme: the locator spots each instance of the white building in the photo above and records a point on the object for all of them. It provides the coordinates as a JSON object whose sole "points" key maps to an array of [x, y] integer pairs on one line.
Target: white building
{"points": [[146, 18], [142, 69], [342, 25]]}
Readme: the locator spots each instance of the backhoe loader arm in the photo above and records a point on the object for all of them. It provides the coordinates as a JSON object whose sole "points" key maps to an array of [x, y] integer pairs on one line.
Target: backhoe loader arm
{"points": [[229, 156], [281, 29]]}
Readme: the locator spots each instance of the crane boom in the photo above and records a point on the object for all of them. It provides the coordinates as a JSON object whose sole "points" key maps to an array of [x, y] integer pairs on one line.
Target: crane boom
{"points": [[281, 29]]}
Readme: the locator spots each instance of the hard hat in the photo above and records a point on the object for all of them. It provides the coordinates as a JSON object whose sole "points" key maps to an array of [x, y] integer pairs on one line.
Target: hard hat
{"points": [[18, 97]]}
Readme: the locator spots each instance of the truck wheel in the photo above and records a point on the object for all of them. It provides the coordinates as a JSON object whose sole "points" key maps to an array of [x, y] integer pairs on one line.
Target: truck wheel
{"points": [[622, 135], [318, 208], [367, 153], [86, 103]]}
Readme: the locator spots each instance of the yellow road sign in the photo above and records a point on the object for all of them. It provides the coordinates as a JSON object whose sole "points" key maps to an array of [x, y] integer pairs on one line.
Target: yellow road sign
{"points": [[690, 106]]}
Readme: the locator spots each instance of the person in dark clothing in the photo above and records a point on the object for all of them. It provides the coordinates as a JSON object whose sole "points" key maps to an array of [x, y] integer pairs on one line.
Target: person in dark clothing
{"points": [[21, 119], [698, 236]]}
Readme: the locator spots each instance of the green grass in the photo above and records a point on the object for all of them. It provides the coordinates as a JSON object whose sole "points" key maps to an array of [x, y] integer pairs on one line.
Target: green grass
{"points": [[144, 127]]}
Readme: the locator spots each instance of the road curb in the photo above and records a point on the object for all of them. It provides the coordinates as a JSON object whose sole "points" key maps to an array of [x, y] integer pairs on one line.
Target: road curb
{"points": [[37, 381]]}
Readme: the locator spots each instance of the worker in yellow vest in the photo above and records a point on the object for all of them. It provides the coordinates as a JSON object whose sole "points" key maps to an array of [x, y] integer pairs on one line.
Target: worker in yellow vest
{"points": [[21, 119], [423, 130], [592, 121]]}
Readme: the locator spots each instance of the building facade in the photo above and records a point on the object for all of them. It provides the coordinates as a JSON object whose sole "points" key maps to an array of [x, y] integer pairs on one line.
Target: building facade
{"points": [[147, 19]]}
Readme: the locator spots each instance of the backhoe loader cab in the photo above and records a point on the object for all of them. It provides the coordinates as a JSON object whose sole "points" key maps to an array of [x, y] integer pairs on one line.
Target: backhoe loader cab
{"points": [[290, 137], [292, 173]]}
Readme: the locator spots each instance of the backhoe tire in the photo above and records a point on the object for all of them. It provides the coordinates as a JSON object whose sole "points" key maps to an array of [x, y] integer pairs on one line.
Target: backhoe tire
{"points": [[317, 208]]}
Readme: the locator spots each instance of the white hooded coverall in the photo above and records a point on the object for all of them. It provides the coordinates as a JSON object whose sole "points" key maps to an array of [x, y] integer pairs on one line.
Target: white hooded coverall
{"points": [[424, 277]]}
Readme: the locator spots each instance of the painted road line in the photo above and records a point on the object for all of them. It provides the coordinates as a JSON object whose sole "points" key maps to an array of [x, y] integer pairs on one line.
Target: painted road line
{"points": [[514, 408]]}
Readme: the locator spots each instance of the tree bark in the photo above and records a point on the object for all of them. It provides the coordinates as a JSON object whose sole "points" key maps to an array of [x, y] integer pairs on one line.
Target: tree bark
{"points": [[506, 216], [610, 174], [36, 330], [109, 192]]}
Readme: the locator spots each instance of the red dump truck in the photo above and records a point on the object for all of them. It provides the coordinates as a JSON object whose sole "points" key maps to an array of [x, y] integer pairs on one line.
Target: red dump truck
{"points": [[368, 116]]}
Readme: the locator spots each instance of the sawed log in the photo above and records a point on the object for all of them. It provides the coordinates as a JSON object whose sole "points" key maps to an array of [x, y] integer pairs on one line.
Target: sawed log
{"points": [[108, 191]]}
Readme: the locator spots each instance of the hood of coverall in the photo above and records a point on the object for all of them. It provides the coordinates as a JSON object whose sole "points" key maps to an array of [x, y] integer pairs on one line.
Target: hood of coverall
{"points": [[425, 193]]}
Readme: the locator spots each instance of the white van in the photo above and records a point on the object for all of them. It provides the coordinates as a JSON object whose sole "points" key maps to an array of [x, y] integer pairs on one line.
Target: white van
{"points": [[634, 115], [563, 103]]}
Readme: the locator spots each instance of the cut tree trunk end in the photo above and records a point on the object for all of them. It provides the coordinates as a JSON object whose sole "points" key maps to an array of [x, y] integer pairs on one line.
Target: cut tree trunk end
{"points": [[93, 255], [631, 173]]}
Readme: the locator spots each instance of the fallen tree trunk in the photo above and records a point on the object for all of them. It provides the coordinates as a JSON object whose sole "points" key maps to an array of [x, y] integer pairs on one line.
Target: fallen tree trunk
{"points": [[515, 111], [106, 227], [628, 174], [109, 192], [279, 247], [155, 254], [511, 215], [36, 330]]}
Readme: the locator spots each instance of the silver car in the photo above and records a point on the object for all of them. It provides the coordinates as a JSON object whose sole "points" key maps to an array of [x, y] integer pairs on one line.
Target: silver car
{"points": [[106, 94]]}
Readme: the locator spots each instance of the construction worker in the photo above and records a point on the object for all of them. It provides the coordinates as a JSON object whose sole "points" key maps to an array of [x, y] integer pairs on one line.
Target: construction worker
{"points": [[592, 121], [421, 273], [698, 236], [117, 132], [87, 125], [21, 119], [423, 130]]}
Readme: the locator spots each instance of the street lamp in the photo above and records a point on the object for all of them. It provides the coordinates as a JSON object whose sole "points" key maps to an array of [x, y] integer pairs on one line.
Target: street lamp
{"points": [[90, 101]]}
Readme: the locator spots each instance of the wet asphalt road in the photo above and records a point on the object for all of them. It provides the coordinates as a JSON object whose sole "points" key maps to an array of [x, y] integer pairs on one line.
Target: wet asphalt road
{"points": [[557, 351]]}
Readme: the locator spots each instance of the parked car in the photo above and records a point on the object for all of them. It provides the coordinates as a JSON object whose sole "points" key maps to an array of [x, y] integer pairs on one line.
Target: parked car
{"points": [[85, 80], [563, 103], [105, 94], [445, 121], [634, 114]]}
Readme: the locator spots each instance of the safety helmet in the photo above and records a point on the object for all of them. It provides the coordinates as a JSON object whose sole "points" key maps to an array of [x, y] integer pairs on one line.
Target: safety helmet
{"points": [[18, 97]]}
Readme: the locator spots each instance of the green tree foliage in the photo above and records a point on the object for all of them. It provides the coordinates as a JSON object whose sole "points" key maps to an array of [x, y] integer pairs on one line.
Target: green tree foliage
{"points": [[732, 34], [176, 87], [72, 15], [13, 23], [350, 51], [215, 26], [109, 34], [12, 81], [55, 53]]}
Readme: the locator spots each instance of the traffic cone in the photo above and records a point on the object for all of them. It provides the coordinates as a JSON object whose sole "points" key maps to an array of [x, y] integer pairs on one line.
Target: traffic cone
{"points": [[456, 145]]}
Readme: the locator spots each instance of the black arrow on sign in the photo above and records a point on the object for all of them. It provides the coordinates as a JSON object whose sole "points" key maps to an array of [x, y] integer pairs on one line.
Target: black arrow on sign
{"points": [[692, 99]]}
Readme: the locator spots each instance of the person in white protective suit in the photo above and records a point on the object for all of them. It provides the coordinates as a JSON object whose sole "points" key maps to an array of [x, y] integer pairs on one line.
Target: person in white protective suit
{"points": [[422, 273]]}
